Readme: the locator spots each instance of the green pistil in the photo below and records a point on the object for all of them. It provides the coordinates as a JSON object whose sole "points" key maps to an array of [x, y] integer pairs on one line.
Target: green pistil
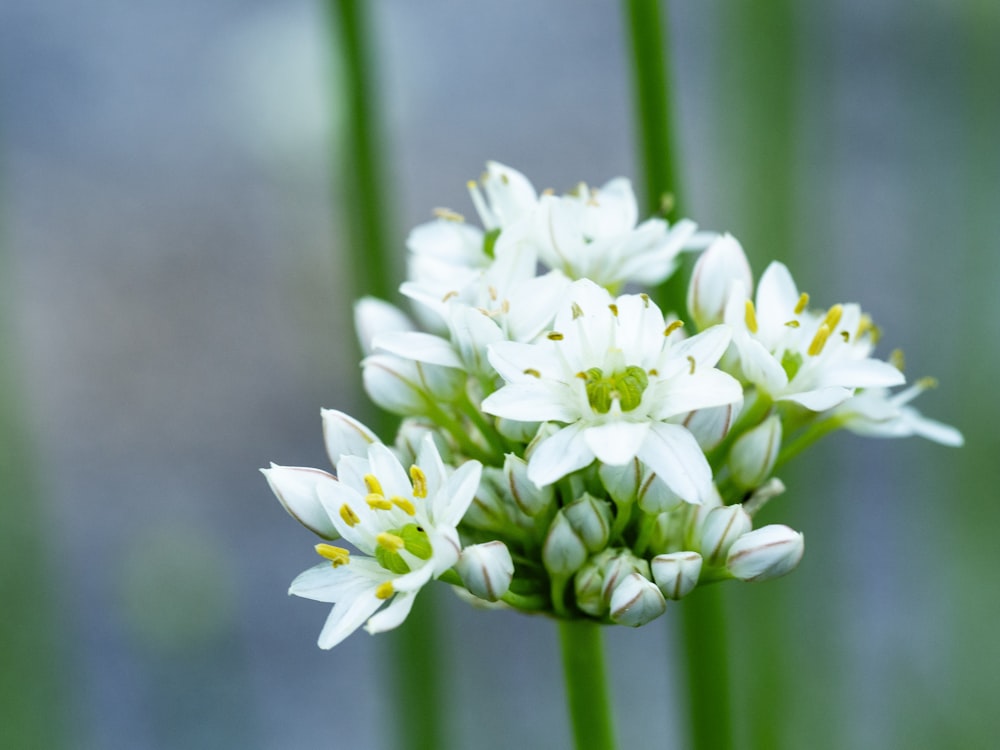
{"points": [[415, 541], [490, 242], [790, 363], [626, 386]]}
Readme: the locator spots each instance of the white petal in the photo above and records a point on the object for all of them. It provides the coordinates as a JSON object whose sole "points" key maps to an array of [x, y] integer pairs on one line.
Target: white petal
{"points": [[673, 453], [389, 472], [450, 504], [295, 488], [373, 316], [685, 393], [515, 360], [346, 617], [559, 455], [777, 296], [722, 263], [616, 443], [705, 348], [863, 373], [421, 347], [532, 402], [344, 435], [820, 399], [393, 615]]}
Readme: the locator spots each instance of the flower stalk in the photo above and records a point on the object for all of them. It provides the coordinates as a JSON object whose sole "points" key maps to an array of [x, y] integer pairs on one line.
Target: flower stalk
{"points": [[586, 685]]}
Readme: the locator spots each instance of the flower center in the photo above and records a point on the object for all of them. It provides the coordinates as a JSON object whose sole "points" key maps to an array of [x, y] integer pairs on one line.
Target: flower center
{"points": [[411, 538], [626, 387]]}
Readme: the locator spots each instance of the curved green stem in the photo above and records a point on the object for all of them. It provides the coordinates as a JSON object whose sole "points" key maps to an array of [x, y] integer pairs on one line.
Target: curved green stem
{"points": [[706, 652], [586, 685], [807, 437]]}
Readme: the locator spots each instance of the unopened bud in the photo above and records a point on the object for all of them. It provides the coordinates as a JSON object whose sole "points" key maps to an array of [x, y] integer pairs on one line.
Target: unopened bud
{"points": [[709, 426], [622, 482], [591, 520], [296, 490], [344, 435], [486, 569], [588, 586], [754, 453], [763, 494], [618, 567], [405, 387], [718, 267], [373, 316], [676, 573], [722, 527], [655, 496], [531, 499], [636, 601], [563, 552], [767, 552]]}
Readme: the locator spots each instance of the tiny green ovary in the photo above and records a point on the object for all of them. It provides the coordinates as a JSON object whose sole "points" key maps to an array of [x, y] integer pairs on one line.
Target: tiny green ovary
{"points": [[415, 541], [626, 386]]}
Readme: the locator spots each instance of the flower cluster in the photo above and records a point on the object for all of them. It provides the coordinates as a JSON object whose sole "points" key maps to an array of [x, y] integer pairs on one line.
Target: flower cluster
{"points": [[568, 448]]}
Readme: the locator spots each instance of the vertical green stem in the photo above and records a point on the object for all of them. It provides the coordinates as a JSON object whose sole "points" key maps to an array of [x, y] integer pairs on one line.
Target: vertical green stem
{"points": [[655, 126], [706, 655], [414, 658], [586, 685]]}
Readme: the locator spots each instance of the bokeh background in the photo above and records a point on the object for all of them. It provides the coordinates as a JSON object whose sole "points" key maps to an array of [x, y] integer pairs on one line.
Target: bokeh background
{"points": [[174, 316]]}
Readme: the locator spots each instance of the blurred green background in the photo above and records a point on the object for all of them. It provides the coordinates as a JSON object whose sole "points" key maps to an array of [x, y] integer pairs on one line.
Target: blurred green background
{"points": [[173, 297]]}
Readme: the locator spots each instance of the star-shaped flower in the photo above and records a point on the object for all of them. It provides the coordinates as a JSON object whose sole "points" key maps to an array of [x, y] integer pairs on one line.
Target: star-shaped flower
{"points": [[611, 376]]}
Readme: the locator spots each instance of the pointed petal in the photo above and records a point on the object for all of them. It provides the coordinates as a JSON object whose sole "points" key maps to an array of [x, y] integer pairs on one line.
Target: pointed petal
{"points": [[685, 393], [421, 347], [344, 435], [533, 402], [393, 615], [295, 488], [559, 455], [616, 443], [673, 453]]}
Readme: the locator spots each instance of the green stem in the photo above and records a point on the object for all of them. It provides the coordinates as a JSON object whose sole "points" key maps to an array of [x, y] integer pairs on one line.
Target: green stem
{"points": [[807, 437], [485, 428], [586, 685], [707, 664], [654, 120]]}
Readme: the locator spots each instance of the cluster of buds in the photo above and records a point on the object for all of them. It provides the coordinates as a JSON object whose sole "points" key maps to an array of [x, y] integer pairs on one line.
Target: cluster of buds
{"points": [[567, 448]]}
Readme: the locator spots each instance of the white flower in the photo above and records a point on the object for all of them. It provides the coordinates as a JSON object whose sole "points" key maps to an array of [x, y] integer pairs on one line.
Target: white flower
{"points": [[718, 267], [486, 570], [510, 196], [373, 316], [765, 553], [794, 354], [877, 412], [592, 234], [295, 487], [405, 526], [613, 373]]}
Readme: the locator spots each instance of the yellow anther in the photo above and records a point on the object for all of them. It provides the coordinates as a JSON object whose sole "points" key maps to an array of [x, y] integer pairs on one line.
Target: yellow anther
{"points": [[372, 483], [378, 502], [349, 516], [673, 327], [614, 309], [897, 360], [750, 315], [691, 360], [504, 179], [337, 555], [792, 323], [654, 372], [505, 306], [819, 340], [492, 290], [555, 336], [845, 336], [645, 299], [581, 375], [389, 541], [404, 505], [471, 184], [801, 304], [419, 480], [449, 295], [448, 215], [548, 191], [533, 372], [385, 590], [927, 382], [864, 325], [833, 316], [577, 311]]}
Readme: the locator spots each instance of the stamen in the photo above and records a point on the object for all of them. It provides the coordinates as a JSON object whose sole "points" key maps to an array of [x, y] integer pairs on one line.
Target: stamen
{"points": [[614, 309], [448, 215], [555, 336], [819, 340], [492, 290], [377, 502], [927, 382], [372, 483], [645, 299], [505, 306], [654, 372], [404, 505], [449, 295], [349, 516], [385, 590], [897, 360], [581, 375], [845, 336], [504, 179], [801, 304], [533, 372], [833, 316], [549, 191], [673, 327], [471, 185], [577, 311], [390, 542], [864, 325], [792, 323], [750, 315], [337, 555], [691, 360], [419, 480]]}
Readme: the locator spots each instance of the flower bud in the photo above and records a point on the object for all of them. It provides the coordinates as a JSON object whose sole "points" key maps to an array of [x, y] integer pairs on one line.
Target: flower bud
{"points": [[718, 267], [486, 569], [722, 527], [563, 552], [655, 496], [618, 567], [753, 454], [295, 487], [410, 437], [488, 510], [676, 573], [344, 435], [373, 316], [767, 552], [636, 601], [622, 482], [519, 432], [763, 494], [591, 520], [709, 426], [404, 386], [588, 585], [529, 498]]}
